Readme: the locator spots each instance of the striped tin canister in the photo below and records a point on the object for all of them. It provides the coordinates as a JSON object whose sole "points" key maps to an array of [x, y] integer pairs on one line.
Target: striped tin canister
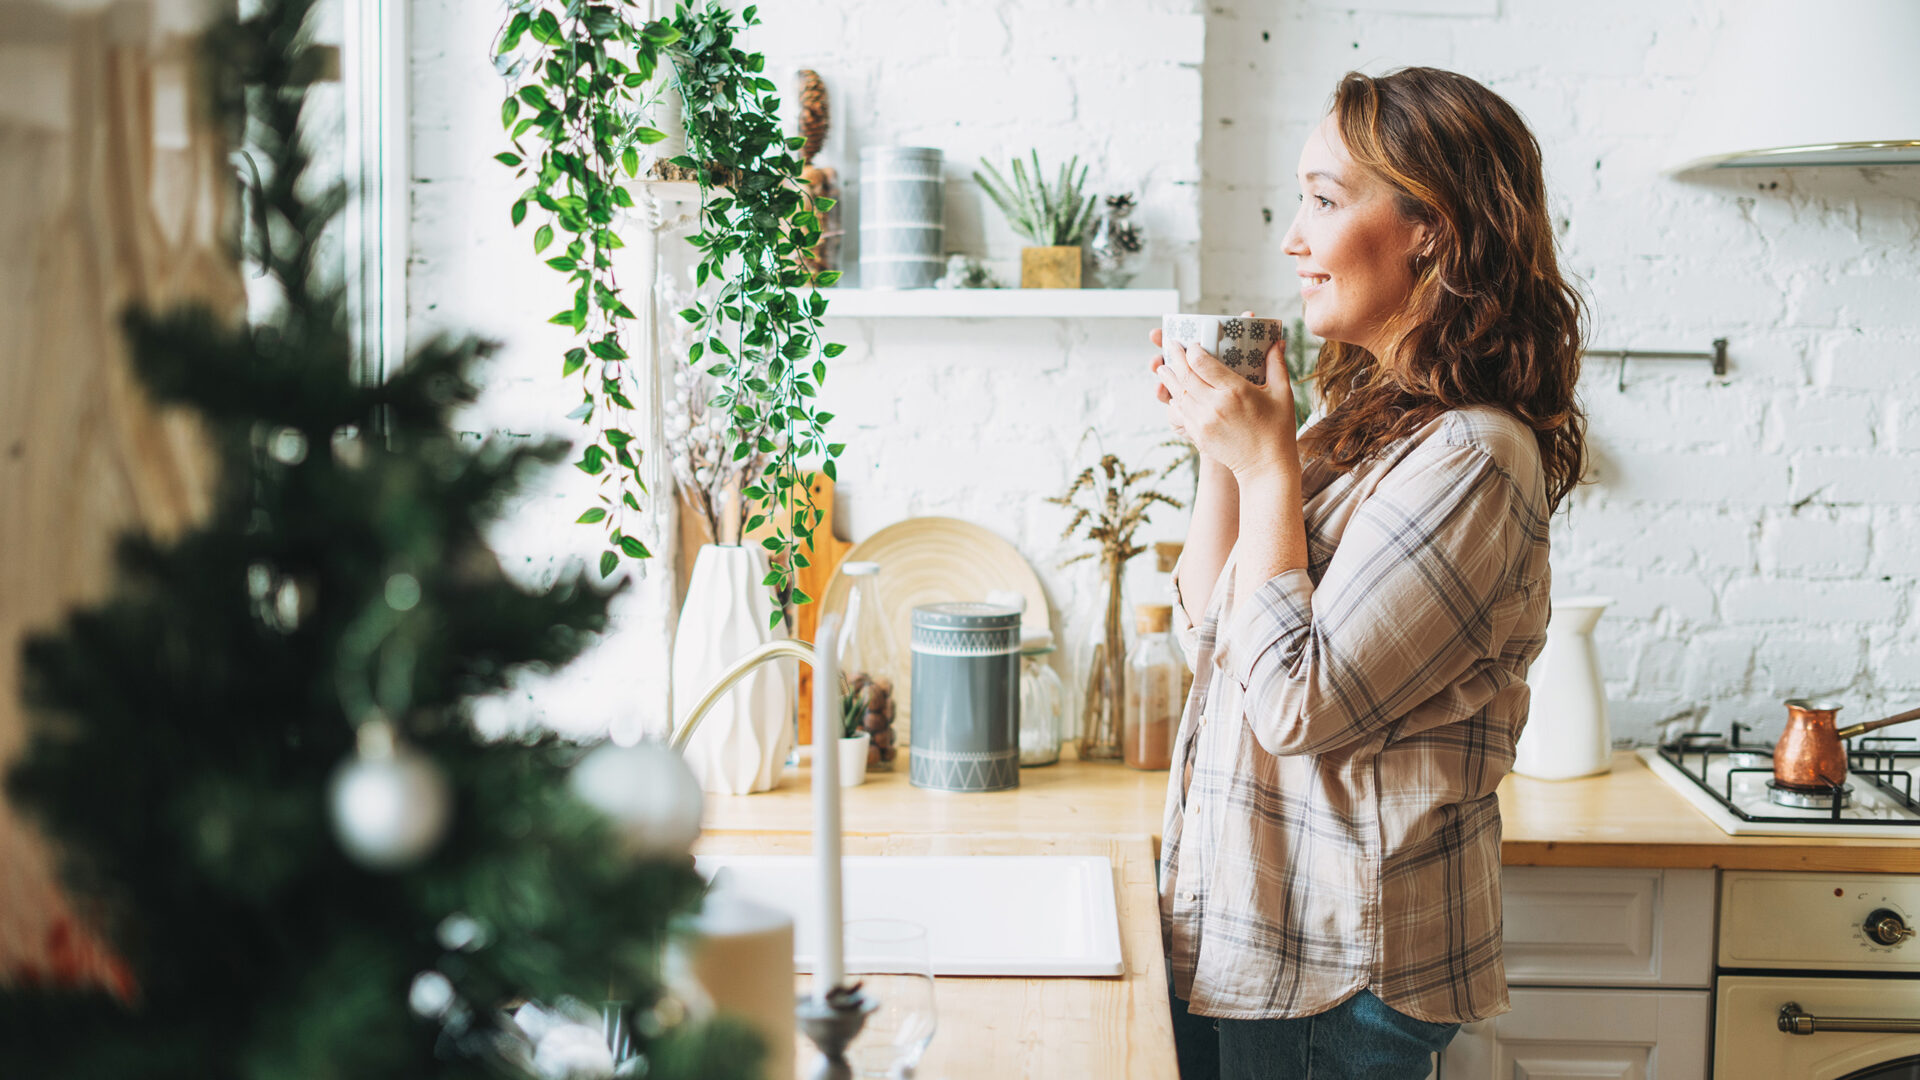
{"points": [[966, 697], [902, 217]]}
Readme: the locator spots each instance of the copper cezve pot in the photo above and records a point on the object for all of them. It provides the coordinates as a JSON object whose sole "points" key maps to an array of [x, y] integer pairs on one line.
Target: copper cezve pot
{"points": [[1811, 754]]}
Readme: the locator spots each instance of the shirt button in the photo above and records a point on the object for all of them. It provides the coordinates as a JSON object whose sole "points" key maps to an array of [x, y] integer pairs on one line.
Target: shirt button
{"points": [[1187, 897]]}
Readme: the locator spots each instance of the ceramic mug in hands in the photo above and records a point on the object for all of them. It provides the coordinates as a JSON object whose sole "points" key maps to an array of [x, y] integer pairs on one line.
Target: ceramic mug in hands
{"points": [[1238, 341]]}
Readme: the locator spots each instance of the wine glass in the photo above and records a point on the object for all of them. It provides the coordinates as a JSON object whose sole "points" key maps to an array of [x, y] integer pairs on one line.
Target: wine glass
{"points": [[889, 958]]}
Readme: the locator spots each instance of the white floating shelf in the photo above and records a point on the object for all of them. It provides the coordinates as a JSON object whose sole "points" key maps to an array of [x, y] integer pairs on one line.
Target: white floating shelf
{"points": [[1001, 303]]}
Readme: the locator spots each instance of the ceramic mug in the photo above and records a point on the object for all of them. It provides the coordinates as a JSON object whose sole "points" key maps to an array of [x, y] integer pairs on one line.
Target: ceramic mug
{"points": [[1239, 342]]}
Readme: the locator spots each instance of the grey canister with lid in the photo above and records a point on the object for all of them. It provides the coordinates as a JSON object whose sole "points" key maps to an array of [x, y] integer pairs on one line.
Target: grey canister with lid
{"points": [[966, 697], [902, 217]]}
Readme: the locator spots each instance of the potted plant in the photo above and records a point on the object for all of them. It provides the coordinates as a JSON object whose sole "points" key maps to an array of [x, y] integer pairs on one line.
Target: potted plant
{"points": [[862, 704], [1053, 220]]}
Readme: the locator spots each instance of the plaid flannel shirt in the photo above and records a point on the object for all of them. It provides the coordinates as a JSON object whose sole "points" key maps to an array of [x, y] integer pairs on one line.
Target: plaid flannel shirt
{"points": [[1331, 822]]}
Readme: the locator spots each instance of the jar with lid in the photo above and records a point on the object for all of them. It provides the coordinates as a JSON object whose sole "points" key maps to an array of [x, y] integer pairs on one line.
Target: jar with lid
{"points": [[1043, 701], [1157, 682], [866, 665]]}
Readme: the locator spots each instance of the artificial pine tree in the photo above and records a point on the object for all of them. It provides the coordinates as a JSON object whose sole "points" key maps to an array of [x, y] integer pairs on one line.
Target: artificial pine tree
{"points": [[256, 755]]}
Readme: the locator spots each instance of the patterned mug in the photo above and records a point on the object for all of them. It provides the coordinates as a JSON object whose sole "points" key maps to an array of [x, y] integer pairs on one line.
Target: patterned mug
{"points": [[1239, 342]]}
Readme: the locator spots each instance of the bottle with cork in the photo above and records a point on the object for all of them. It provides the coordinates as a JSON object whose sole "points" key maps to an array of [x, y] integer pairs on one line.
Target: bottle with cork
{"points": [[1157, 686]]}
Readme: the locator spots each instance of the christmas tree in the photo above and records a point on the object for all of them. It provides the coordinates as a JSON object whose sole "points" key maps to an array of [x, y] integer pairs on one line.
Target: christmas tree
{"points": [[256, 755]]}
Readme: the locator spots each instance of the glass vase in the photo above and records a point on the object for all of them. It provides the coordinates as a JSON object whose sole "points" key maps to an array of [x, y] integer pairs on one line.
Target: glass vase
{"points": [[1103, 670], [1113, 253]]}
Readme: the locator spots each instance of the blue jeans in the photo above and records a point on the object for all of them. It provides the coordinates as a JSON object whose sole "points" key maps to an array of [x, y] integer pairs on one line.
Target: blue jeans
{"points": [[1359, 1039]]}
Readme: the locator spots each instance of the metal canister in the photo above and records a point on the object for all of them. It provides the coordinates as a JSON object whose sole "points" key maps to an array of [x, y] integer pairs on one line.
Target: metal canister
{"points": [[902, 217], [966, 697]]}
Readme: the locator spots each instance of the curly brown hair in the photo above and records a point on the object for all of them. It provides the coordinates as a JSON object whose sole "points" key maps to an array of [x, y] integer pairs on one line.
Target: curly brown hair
{"points": [[1491, 320]]}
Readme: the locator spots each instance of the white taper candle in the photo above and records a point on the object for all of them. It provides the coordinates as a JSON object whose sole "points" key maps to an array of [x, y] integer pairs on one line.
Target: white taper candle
{"points": [[830, 971]]}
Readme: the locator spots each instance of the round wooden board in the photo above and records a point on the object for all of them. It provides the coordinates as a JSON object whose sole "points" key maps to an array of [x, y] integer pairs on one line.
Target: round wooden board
{"points": [[931, 560]]}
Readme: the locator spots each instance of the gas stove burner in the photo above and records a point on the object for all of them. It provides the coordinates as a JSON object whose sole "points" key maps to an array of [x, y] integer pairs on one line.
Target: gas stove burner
{"points": [[1802, 799]]}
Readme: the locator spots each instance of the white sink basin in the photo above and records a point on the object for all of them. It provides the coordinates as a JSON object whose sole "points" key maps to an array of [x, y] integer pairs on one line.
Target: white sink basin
{"points": [[984, 914]]}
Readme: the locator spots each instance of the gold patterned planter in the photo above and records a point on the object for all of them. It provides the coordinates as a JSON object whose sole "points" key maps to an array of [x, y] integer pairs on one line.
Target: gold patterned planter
{"points": [[1050, 267]]}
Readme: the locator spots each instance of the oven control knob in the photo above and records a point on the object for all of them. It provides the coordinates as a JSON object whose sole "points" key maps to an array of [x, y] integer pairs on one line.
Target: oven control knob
{"points": [[1887, 927]]}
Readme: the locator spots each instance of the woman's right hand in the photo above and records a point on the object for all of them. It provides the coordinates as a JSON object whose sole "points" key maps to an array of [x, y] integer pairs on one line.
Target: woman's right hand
{"points": [[1160, 390], [1160, 387]]}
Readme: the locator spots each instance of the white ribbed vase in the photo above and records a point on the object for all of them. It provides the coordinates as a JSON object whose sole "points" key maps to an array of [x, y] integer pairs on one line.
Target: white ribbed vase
{"points": [[1567, 734], [743, 743]]}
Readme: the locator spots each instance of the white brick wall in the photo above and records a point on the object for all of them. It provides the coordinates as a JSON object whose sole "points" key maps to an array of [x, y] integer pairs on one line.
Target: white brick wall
{"points": [[1761, 532]]}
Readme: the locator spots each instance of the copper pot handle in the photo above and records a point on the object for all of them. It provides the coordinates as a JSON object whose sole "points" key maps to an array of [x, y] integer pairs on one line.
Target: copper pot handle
{"points": [[1857, 729]]}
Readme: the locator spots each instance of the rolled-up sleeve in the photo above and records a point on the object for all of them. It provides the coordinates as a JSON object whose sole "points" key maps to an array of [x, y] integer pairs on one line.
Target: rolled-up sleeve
{"points": [[1185, 633], [1408, 608]]}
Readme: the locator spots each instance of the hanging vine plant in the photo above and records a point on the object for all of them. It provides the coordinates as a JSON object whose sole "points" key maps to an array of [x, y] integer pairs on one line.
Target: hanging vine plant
{"points": [[583, 83]]}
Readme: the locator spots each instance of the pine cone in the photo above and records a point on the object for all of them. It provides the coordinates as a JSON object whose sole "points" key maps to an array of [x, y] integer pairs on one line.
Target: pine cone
{"points": [[813, 113]]}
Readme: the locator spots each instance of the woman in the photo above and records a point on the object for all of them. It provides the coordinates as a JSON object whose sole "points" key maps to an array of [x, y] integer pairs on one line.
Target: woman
{"points": [[1360, 607]]}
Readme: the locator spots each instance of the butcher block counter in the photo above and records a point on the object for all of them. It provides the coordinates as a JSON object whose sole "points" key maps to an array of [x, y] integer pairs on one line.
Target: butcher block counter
{"points": [[1000, 1028], [1628, 817]]}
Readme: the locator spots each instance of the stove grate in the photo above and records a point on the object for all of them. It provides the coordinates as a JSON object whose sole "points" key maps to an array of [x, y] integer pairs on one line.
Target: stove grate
{"points": [[1877, 760]]}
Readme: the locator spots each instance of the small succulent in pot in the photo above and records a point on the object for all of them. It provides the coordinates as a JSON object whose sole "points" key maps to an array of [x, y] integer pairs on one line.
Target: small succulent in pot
{"points": [[1053, 219], [866, 704]]}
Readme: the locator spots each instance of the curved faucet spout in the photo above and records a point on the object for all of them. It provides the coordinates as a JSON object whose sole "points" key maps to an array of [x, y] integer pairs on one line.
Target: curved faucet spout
{"points": [[778, 649]]}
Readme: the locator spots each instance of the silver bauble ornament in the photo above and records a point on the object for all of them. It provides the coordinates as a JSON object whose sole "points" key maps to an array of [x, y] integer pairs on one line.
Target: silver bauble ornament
{"points": [[390, 805], [649, 791]]}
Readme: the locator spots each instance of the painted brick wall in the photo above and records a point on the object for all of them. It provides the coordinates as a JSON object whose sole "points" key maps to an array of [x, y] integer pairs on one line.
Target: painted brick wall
{"points": [[1761, 533]]}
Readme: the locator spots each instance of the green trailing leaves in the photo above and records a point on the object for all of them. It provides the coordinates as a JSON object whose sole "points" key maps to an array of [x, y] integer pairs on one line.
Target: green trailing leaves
{"points": [[583, 107], [582, 104]]}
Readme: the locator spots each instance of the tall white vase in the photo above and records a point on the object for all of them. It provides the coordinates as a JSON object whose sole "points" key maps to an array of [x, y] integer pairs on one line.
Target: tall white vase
{"points": [[1567, 734], [743, 743]]}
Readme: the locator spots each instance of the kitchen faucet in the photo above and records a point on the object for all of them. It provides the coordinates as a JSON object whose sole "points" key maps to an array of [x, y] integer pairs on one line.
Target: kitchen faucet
{"points": [[777, 649]]}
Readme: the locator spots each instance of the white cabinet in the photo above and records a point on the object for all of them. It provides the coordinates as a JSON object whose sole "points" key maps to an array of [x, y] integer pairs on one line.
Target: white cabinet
{"points": [[1573, 926], [1609, 973], [1587, 1035]]}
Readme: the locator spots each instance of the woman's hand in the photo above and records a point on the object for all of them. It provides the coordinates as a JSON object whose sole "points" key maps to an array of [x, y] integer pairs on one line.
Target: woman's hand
{"points": [[1246, 428]]}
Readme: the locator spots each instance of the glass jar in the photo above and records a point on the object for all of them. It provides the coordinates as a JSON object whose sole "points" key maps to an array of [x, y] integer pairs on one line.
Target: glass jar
{"points": [[1043, 701], [1155, 690], [866, 665]]}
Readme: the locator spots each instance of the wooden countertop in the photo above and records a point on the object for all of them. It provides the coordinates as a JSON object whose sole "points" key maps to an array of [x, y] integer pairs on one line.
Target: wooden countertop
{"points": [[1002, 1028], [1628, 817], [998, 1029]]}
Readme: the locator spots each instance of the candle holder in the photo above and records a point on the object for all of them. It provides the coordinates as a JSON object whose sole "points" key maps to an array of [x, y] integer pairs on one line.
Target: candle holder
{"points": [[833, 1023]]}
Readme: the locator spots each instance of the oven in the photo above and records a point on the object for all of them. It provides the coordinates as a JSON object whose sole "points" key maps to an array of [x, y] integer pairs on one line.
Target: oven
{"points": [[1817, 977]]}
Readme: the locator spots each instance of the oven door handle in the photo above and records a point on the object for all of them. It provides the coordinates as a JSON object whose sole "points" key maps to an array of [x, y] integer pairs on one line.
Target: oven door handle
{"points": [[1797, 1021]]}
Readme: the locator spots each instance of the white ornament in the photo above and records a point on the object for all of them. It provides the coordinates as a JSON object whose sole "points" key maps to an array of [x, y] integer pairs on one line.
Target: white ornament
{"points": [[649, 791], [390, 805], [431, 995]]}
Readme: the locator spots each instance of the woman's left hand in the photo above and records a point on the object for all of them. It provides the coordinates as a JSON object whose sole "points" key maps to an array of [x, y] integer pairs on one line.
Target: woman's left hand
{"points": [[1247, 428]]}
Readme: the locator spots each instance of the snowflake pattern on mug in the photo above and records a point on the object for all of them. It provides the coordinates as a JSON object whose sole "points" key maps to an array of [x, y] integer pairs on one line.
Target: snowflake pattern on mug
{"points": [[1242, 343], [1243, 346]]}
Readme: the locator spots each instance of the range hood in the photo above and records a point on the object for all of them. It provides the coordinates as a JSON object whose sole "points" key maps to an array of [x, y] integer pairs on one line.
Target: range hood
{"points": [[1807, 82]]}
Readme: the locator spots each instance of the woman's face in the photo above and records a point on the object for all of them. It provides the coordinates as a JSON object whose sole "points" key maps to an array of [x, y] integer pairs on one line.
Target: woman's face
{"points": [[1351, 246]]}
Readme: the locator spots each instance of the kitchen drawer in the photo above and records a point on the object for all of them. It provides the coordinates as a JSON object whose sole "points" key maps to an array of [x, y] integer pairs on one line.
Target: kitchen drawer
{"points": [[1584, 1034], [1574, 926]]}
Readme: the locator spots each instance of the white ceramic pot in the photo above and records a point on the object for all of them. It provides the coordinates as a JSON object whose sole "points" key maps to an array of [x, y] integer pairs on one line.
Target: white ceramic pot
{"points": [[1567, 734], [853, 760], [743, 743]]}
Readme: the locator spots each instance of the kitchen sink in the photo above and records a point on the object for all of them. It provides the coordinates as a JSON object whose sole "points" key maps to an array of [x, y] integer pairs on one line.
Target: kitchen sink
{"points": [[1029, 915]]}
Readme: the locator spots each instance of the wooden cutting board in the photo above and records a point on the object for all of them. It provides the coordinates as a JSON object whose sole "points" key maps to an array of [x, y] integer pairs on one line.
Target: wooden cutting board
{"points": [[822, 560]]}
